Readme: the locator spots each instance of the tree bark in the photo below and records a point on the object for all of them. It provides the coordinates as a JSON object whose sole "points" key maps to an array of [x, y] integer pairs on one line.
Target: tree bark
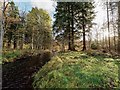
{"points": [[69, 36], [118, 27], [108, 26], [72, 22], [84, 40], [113, 28], [2, 28], [103, 39], [83, 27]]}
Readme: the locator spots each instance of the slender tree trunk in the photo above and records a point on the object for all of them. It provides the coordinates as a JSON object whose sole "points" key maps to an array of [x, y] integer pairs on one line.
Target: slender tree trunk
{"points": [[15, 38], [15, 42], [72, 22], [69, 36], [114, 41], [119, 27], [103, 40], [1, 37], [108, 26], [97, 35], [2, 28], [113, 28], [106, 42], [32, 41], [69, 42], [84, 40]]}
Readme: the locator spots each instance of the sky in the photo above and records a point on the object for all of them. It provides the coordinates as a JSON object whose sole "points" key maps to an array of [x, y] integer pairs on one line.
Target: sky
{"points": [[101, 13], [50, 7], [44, 4]]}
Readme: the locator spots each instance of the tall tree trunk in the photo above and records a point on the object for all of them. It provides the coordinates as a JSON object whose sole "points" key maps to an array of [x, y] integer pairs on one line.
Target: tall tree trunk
{"points": [[84, 40], [108, 26], [1, 36], [15, 38], [69, 41], [2, 27], [114, 41], [72, 22], [106, 42], [69, 36], [113, 28], [119, 27], [103, 40], [97, 35], [83, 27]]}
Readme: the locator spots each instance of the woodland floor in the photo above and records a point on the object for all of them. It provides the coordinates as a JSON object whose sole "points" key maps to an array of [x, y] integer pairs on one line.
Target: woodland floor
{"points": [[18, 74], [65, 70]]}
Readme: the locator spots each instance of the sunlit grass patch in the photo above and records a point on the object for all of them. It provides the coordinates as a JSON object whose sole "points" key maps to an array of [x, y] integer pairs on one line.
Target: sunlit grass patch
{"points": [[9, 56], [12, 55], [77, 70]]}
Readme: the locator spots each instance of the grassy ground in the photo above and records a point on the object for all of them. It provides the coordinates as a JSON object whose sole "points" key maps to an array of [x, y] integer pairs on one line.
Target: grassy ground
{"points": [[9, 56], [78, 70], [12, 55]]}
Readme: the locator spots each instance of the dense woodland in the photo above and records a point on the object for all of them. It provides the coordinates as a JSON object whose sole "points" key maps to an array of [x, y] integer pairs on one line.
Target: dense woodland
{"points": [[70, 30], [32, 29], [72, 46]]}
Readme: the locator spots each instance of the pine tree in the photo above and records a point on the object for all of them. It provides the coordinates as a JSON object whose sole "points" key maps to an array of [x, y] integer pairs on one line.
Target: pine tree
{"points": [[11, 18], [72, 16]]}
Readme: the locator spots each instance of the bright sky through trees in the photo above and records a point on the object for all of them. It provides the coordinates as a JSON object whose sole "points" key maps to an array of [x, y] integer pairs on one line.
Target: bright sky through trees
{"points": [[49, 6], [101, 15]]}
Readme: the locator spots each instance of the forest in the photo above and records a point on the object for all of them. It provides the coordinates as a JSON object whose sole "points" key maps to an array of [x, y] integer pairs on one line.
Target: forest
{"points": [[68, 49]]}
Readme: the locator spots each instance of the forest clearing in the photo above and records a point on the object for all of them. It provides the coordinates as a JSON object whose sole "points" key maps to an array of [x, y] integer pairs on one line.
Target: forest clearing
{"points": [[59, 44]]}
